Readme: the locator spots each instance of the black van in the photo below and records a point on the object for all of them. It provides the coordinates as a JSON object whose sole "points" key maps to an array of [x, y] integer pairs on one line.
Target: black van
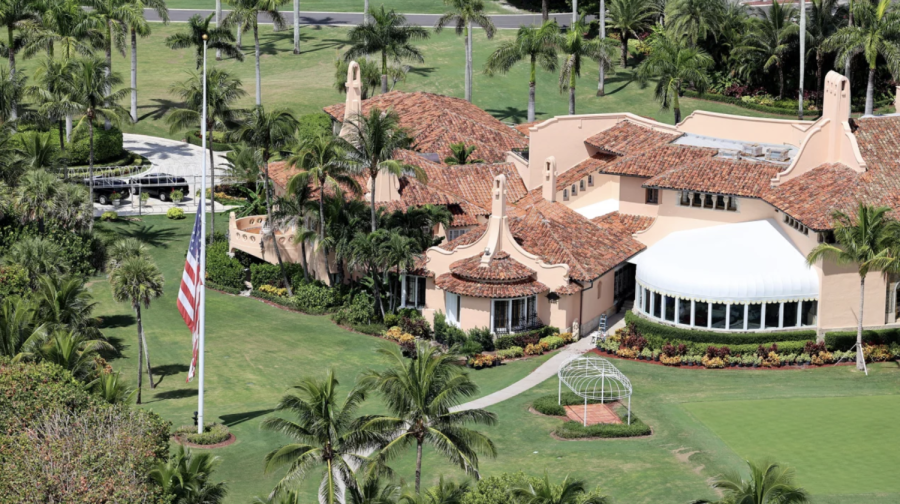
{"points": [[159, 185], [105, 187]]}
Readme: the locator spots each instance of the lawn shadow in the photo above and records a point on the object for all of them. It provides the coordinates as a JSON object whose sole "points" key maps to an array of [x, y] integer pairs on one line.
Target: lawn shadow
{"points": [[118, 346], [325, 44], [116, 321], [149, 234], [173, 394], [421, 71], [238, 418], [513, 114], [160, 109], [168, 370], [626, 81]]}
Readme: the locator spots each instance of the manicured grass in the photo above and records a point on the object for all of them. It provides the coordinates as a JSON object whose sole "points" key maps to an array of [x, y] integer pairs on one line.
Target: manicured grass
{"points": [[305, 83], [838, 445], [404, 6]]}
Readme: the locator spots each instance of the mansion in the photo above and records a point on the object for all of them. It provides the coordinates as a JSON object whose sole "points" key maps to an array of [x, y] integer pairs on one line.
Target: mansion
{"points": [[705, 224]]}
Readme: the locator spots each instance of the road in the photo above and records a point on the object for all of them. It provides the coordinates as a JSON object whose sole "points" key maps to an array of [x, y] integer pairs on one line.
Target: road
{"points": [[502, 21]]}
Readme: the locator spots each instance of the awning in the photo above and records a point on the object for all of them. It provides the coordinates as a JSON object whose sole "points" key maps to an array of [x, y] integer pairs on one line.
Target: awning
{"points": [[747, 262]]}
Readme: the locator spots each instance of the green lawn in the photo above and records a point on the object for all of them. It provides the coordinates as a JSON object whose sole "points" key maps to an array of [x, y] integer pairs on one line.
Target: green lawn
{"points": [[801, 433], [305, 83], [404, 6], [833, 424]]}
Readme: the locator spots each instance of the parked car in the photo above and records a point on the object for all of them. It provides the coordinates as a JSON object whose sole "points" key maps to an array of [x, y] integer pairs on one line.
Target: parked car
{"points": [[159, 185], [104, 188]]}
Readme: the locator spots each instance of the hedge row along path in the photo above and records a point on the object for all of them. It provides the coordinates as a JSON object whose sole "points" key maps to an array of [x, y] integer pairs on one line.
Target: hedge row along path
{"points": [[545, 371]]}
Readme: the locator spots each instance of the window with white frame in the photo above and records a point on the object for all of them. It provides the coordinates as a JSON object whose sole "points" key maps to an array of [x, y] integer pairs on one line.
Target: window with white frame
{"points": [[453, 307], [708, 201], [413, 294], [513, 315], [454, 233]]}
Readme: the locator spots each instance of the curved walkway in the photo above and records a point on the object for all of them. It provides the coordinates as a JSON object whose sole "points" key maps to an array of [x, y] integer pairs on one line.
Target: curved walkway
{"points": [[544, 371]]}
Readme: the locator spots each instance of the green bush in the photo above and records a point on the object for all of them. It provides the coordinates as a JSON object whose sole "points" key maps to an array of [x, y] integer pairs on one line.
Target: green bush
{"points": [[445, 333], [749, 104], [213, 433], [109, 216], [219, 142], [175, 213], [229, 290], [81, 254], [575, 430], [504, 342], [359, 311], [513, 352], [370, 329], [221, 269], [311, 125], [265, 274], [483, 336], [497, 489], [107, 145], [549, 405], [471, 347], [661, 332], [314, 297], [844, 340], [13, 280], [553, 342]]}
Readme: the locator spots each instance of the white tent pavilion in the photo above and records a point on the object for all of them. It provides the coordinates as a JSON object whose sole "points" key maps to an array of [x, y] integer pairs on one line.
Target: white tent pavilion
{"points": [[594, 379]]}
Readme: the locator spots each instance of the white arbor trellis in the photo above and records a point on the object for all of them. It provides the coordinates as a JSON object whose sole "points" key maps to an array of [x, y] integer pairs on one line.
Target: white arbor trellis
{"points": [[594, 379]]}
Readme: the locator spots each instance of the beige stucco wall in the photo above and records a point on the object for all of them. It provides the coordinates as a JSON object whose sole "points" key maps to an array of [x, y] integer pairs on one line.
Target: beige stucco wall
{"points": [[605, 187], [839, 298], [746, 129], [633, 197]]}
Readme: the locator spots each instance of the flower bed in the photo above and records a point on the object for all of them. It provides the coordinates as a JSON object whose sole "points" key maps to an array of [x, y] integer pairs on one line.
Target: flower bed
{"points": [[213, 434], [553, 405]]}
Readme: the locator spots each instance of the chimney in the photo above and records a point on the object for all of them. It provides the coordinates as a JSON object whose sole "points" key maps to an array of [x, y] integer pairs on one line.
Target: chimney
{"points": [[353, 104], [498, 202], [548, 189], [387, 187], [497, 223]]}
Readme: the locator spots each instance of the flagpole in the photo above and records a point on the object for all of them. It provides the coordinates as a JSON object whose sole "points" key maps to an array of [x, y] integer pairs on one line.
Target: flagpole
{"points": [[202, 209]]}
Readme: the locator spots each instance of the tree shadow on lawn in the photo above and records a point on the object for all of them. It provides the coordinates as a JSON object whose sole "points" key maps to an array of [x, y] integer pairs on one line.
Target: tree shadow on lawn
{"points": [[422, 71], [173, 394], [149, 234], [514, 114], [267, 43], [626, 81], [116, 321], [168, 370], [239, 418], [160, 109], [118, 346]]}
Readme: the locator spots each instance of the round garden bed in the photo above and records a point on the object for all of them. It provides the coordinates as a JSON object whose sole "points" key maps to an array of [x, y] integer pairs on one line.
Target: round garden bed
{"points": [[214, 435]]}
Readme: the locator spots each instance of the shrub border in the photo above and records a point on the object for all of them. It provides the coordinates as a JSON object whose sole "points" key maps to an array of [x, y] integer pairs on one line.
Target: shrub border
{"points": [[697, 336], [713, 97]]}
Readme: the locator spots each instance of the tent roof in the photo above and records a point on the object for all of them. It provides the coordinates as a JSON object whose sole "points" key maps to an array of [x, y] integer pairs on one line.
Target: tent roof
{"points": [[749, 262]]}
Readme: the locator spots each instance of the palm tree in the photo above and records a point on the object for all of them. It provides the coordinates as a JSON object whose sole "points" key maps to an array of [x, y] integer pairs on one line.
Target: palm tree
{"points": [[72, 209], [538, 45], [373, 140], [187, 477], [16, 15], [369, 76], [869, 241], [68, 27], [420, 393], [218, 38], [366, 254], [64, 303], [344, 218], [674, 64], [123, 249], [248, 11], [52, 94], [268, 133], [139, 281], [465, 13], [294, 210], [137, 25], [34, 196], [20, 329], [326, 433], [771, 37], [11, 89], [39, 151], [39, 256], [389, 34], [826, 17], [769, 483], [373, 491], [460, 155], [445, 492], [875, 32], [695, 19], [91, 85], [73, 352], [242, 164], [576, 47], [222, 91], [628, 18], [111, 388], [567, 492]]}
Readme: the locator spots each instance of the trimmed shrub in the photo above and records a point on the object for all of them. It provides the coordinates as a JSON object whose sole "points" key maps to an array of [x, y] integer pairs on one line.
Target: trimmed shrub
{"points": [[484, 338], [511, 353], [213, 433], [844, 340], [311, 125], [13, 281], [359, 311], [314, 297], [223, 270], [109, 216], [548, 405], [274, 291], [654, 332], [415, 325], [107, 145], [175, 213], [265, 274], [504, 342], [229, 290], [553, 342], [575, 430], [445, 333]]}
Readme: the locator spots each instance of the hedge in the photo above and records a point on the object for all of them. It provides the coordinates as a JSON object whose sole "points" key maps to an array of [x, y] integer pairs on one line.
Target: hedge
{"points": [[733, 100], [312, 125], [663, 332], [223, 270], [843, 340], [107, 145], [575, 430], [193, 138], [554, 405], [213, 433], [228, 290]]}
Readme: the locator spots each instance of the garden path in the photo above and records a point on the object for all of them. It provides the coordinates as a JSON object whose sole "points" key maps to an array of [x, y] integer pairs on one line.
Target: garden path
{"points": [[544, 371]]}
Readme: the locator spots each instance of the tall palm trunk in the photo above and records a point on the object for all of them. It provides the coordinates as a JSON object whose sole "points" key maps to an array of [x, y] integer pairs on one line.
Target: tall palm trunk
{"points": [[418, 465], [134, 75], [373, 174], [469, 61], [69, 127], [140, 330], [322, 227], [10, 31], [780, 81], [820, 78], [676, 107], [870, 92], [366, 11], [545, 11], [271, 223], [860, 356], [296, 26], [384, 87], [258, 83], [531, 91], [624, 38], [90, 118], [847, 63], [108, 71], [147, 356], [219, 25], [601, 80], [240, 35], [572, 92], [303, 260], [212, 175]]}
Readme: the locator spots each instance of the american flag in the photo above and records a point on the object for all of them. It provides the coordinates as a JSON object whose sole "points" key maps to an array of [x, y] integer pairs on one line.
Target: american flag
{"points": [[189, 294]]}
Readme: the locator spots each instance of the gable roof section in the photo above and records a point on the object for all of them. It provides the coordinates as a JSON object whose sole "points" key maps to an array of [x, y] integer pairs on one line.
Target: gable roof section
{"points": [[590, 165], [627, 137], [437, 121], [813, 196], [474, 183], [721, 176], [656, 160], [627, 223]]}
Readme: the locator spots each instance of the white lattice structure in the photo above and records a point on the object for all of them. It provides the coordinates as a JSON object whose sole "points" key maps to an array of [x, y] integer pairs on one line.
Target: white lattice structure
{"points": [[594, 379]]}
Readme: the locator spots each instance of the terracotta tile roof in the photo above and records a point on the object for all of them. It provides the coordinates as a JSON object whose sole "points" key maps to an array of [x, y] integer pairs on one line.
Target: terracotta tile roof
{"points": [[280, 173], [420, 267], [501, 268], [813, 196], [466, 239], [568, 289], [627, 137], [627, 223], [525, 128], [721, 176], [583, 169], [473, 183], [656, 160], [451, 283], [436, 121]]}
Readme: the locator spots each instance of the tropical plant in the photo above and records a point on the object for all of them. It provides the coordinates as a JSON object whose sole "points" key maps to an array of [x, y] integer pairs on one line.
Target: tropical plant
{"points": [[16, 16], [11, 90], [460, 155], [536, 44], [71, 208], [567, 492], [387, 34], [771, 38], [222, 91], [247, 12], [674, 64], [464, 14], [242, 164], [825, 18], [20, 328], [769, 483], [73, 352], [139, 281], [137, 25], [111, 388], [34, 196], [369, 75], [268, 133], [218, 38], [576, 48], [63, 303], [371, 144], [91, 85], [295, 209], [696, 20], [52, 96], [327, 433], [186, 476], [868, 240], [629, 18], [39, 151], [123, 249], [38, 255], [874, 32], [420, 393]]}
